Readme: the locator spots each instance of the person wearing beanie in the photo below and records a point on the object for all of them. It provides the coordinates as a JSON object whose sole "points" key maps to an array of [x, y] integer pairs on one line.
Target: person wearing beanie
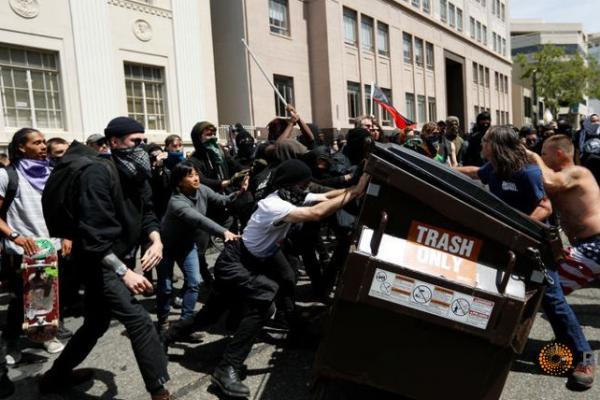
{"points": [[115, 211], [250, 272]]}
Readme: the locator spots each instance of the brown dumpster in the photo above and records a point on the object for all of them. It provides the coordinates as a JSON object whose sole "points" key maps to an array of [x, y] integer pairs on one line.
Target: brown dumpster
{"points": [[440, 290]]}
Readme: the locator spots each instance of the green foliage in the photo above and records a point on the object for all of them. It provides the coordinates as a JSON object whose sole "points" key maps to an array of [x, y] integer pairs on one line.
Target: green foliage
{"points": [[559, 78]]}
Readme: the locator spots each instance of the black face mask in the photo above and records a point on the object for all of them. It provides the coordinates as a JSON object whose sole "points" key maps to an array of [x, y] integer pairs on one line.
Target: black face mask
{"points": [[293, 194], [133, 162], [246, 150], [483, 127]]}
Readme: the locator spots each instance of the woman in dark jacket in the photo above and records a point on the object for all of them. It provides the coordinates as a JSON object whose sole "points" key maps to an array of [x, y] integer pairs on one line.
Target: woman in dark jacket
{"points": [[184, 224]]}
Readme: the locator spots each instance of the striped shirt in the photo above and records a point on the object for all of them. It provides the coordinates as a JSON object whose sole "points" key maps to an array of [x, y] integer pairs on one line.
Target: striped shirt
{"points": [[25, 214]]}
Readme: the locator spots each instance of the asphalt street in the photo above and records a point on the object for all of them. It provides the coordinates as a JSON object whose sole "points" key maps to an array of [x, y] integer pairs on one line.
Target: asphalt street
{"points": [[277, 368]]}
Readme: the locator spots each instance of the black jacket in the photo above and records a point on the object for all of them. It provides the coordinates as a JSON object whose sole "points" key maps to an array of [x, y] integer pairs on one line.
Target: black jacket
{"points": [[113, 215], [211, 174]]}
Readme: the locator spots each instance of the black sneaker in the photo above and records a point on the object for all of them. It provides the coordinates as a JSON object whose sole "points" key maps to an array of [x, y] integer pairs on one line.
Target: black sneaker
{"points": [[63, 332], [228, 380], [7, 388], [51, 383]]}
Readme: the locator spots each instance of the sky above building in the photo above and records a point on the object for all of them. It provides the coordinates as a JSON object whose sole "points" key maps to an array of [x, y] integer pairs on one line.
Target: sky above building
{"points": [[586, 12]]}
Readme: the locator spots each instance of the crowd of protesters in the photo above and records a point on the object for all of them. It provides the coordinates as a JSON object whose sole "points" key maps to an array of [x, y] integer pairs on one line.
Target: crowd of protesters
{"points": [[150, 205]]}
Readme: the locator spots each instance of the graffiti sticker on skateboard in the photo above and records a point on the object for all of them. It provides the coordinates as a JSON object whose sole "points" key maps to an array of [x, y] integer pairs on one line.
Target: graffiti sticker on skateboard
{"points": [[40, 292]]}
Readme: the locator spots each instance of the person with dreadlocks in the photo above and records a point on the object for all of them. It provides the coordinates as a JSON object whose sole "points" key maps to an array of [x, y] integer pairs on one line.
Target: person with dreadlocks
{"points": [[250, 272]]}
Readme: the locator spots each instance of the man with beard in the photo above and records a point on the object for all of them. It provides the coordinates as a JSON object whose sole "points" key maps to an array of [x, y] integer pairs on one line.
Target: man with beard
{"points": [[114, 212], [250, 272], [472, 152], [454, 135]]}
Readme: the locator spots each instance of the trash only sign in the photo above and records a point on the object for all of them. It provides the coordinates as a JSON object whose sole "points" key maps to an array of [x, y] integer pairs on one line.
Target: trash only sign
{"points": [[432, 299]]}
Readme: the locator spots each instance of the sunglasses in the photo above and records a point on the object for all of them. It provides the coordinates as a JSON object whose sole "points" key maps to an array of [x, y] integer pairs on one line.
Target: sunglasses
{"points": [[138, 142]]}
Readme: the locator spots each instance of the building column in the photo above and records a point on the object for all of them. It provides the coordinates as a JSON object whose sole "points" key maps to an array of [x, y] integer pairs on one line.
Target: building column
{"points": [[94, 56], [192, 37]]}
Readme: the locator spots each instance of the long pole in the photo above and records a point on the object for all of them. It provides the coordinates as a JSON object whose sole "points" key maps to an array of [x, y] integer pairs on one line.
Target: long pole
{"points": [[372, 93], [264, 73]]}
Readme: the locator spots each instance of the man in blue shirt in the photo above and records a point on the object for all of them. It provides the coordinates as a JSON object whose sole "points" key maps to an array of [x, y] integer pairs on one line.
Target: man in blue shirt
{"points": [[512, 178]]}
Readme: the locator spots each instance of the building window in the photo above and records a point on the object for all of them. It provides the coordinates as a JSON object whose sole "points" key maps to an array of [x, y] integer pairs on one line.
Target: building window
{"points": [[498, 117], [408, 50], [366, 36], [478, 31], [354, 103], [416, 3], [350, 27], [504, 47], [383, 39], [429, 56], [487, 77], [472, 26], [527, 106], [459, 19], [370, 106], [419, 55], [285, 86], [481, 75], [145, 95], [484, 33], [426, 6], [386, 117], [493, 7], [421, 109], [506, 84], [495, 41], [432, 110], [501, 83], [476, 108], [502, 12], [278, 17], [410, 106], [444, 10], [497, 7], [496, 80], [30, 88], [475, 77], [452, 15]]}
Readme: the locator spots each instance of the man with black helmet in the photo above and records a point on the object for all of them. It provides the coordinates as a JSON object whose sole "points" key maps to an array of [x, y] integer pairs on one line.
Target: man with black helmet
{"points": [[114, 212]]}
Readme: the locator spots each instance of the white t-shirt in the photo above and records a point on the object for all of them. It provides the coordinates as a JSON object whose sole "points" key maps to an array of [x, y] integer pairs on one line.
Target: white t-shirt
{"points": [[25, 213], [266, 229]]}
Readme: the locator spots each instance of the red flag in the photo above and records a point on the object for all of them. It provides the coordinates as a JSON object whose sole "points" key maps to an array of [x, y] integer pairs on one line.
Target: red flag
{"points": [[380, 98]]}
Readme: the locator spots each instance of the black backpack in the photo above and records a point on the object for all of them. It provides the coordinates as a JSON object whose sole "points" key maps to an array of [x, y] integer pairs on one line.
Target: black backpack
{"points": [[61, 193], [11, 190]]}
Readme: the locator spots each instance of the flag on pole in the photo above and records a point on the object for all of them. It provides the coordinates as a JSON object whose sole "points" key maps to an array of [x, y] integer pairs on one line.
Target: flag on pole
{"points": [[380, 98]]}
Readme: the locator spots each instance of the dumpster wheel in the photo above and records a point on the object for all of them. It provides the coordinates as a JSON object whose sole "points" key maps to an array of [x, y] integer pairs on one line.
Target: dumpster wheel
{"points": [[556, 359]]}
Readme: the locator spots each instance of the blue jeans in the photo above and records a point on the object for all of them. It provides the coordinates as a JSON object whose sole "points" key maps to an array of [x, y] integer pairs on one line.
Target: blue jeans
{"points": [[564, 323], [190, 267]]}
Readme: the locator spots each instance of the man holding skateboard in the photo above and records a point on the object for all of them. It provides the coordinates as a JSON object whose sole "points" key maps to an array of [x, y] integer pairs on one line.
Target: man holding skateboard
{"points": [[21, 220]]}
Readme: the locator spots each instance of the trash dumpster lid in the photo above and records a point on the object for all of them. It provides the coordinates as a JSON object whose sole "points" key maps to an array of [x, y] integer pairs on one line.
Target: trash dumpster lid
{"points": [[460, 186]]}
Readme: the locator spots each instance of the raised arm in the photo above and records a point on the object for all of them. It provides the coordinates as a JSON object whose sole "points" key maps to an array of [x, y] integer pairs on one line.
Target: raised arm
{"points": [[553, 181]]}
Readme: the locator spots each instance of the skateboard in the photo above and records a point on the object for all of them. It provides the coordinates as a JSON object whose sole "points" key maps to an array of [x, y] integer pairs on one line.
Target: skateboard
{"points": [[40, 292]]}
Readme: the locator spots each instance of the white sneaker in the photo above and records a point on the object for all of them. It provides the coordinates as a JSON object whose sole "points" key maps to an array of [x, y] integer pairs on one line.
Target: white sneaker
{"points": [[13, 357], [54, 346]]}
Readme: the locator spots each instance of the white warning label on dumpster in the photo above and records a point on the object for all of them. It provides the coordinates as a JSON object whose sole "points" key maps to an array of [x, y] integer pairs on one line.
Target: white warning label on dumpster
{"points": [[432, 299]]}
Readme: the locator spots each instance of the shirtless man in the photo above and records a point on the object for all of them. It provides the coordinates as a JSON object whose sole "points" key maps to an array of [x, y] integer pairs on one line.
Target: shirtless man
{"points": [[576, 196]]}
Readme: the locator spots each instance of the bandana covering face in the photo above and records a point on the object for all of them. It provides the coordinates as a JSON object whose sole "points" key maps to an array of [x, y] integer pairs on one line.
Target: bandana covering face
{"points": [[134, 162], [174, 158], [294, 195], [35, 171]]}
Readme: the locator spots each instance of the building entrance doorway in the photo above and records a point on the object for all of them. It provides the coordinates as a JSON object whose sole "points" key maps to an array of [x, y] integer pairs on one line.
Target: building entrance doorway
{"points": [[455, 88]]}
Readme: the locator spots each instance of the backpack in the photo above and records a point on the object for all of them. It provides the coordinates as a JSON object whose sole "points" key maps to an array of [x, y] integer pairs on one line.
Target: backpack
{"points": [[11, 190], [61, 193]]}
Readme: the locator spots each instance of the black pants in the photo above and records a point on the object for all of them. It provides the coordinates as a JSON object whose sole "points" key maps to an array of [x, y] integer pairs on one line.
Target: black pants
{"points": [[3, 370], [253, 316], [11, 263], [107, 296]]}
